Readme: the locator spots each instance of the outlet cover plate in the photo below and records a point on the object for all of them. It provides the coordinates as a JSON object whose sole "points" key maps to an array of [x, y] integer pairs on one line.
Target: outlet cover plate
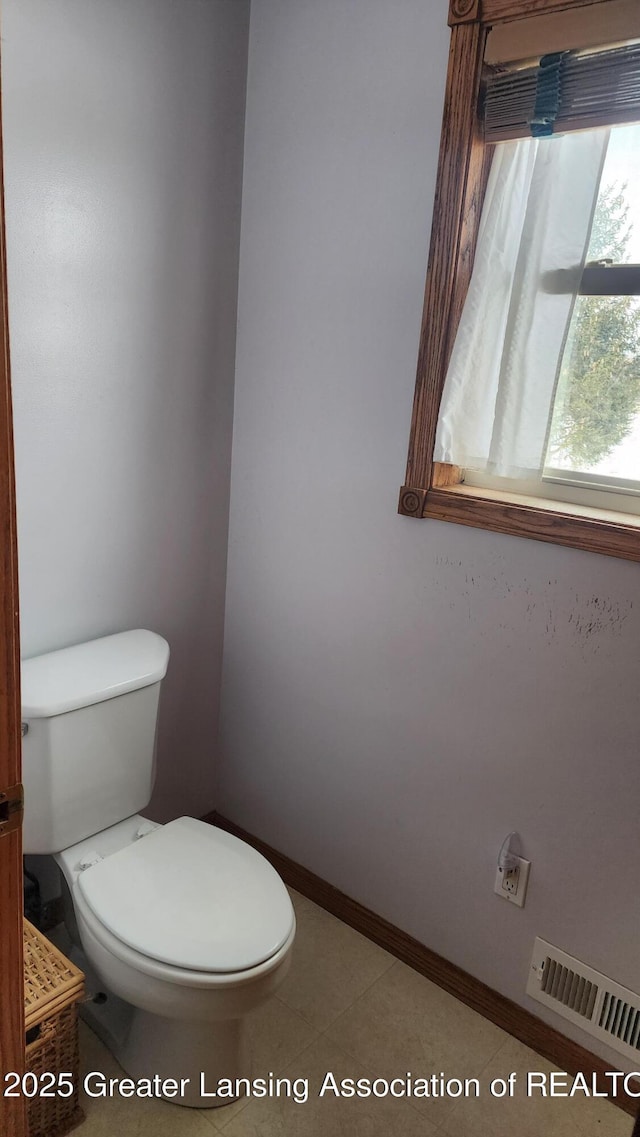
{"points": [[513, 890]]}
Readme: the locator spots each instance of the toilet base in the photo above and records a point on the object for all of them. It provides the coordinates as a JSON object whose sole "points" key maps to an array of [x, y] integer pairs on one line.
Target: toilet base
{"points": [[199, 1056], [148, 1046]]}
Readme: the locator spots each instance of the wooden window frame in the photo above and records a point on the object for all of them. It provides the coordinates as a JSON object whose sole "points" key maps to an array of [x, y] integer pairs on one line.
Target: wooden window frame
{"points": [[434, 489]]}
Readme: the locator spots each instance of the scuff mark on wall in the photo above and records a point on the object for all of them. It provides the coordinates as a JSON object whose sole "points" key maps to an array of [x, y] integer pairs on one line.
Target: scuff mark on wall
{"points": [[499, 602]]}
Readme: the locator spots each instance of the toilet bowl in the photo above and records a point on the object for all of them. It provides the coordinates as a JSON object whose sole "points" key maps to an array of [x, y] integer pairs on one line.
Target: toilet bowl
{"points": [[190, 927], [184, 929]]}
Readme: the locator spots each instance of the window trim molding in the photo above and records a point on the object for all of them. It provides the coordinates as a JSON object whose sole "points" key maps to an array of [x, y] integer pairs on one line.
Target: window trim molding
{"points": [[434, 489]]}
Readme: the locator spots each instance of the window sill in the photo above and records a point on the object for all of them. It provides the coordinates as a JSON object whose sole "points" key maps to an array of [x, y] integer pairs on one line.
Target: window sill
{"points": [[580, 527]]}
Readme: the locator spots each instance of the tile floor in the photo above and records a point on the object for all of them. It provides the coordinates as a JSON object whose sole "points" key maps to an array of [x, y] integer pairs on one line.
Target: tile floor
{"points": [[350, 1008]]}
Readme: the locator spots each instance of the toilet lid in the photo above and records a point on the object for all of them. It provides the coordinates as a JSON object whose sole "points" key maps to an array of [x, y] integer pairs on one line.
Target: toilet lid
{"points": [[192, 896]]}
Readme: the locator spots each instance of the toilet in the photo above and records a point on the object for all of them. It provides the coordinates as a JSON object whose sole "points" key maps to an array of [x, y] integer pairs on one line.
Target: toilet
{"points": [[183, 929]]}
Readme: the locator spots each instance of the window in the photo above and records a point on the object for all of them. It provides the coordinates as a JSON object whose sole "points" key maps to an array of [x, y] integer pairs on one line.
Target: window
{"points": [[543, 384], [582, 487], [594, 435]]}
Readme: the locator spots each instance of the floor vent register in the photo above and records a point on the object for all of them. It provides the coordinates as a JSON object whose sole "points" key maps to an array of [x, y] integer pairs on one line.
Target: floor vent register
{"points": [[604, 1009]]}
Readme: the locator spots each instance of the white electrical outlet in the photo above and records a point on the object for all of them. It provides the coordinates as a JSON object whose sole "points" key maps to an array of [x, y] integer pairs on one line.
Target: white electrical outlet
{"points": [[511, 884]]}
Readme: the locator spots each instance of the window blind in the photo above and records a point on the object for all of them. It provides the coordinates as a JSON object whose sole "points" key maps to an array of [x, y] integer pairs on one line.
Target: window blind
{"points": [[562, 92]]}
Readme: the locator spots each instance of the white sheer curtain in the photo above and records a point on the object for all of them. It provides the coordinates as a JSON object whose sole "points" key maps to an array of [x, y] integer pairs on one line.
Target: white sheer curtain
{"points": [[501, 381]]}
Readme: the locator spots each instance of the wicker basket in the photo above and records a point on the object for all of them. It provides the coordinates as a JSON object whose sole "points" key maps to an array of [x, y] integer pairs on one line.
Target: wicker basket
{"points": [[52, 987]]}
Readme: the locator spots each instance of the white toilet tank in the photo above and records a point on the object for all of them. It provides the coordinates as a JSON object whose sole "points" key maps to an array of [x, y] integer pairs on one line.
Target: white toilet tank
{"points": [[88, 753]]}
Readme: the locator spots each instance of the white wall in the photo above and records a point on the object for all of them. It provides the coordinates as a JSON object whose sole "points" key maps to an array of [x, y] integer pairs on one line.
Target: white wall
{"points": [[123, 162], [399, 695]]}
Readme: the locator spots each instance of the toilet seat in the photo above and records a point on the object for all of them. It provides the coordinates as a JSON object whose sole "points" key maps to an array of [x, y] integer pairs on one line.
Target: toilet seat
{"points": [[154, 971], [190, 897]]}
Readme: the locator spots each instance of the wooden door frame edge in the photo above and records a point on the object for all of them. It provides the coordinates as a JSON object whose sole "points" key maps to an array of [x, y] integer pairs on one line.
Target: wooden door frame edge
{"points": [[13, 1120]]}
